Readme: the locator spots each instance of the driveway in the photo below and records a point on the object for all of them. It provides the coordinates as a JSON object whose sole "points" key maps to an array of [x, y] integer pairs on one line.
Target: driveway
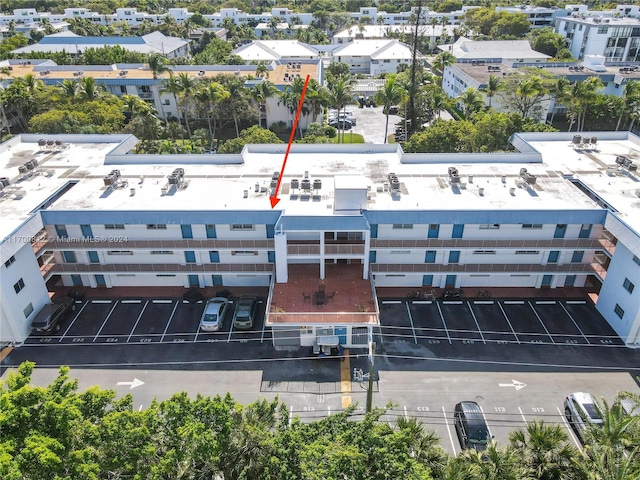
{"points": [[371, 122]]}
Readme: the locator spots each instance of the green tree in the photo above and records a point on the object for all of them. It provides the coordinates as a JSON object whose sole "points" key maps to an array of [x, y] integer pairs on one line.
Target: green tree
{"points": [[89, 89], [631, 100], [392, 93], [69, 88], [157, 64], [471, 102], [253, 134], [494, 85], [340, 94], [211, 95]]}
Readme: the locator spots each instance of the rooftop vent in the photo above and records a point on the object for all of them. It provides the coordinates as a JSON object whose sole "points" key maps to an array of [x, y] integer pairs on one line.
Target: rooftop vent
{"points": [[176, 177], [4, 182], [305, 184], [317, 184], [527, 177], [454, 175], [295, 184]]}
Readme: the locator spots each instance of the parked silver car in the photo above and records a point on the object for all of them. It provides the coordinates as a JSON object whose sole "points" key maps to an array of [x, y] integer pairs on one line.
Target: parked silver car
{"points": [[582, 412], [213, 316]]}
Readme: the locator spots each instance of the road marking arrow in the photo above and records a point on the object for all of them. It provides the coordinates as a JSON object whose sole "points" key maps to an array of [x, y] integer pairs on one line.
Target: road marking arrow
{"points": [[514, 383], [132, 385]]}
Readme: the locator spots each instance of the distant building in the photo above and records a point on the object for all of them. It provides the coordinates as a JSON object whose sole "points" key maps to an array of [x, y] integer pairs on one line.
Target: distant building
{"points": [[73, 44], [373, 57], [276, 50]]}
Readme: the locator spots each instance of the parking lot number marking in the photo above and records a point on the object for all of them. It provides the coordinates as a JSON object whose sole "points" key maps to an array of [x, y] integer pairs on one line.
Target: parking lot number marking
{"points": [[106, 319], [500, 409], [320, 398], [169, 321], [574, 322], [443, 322], [477, 324], [537, 409], [137, 320], [541, 322], [422, 409], [413, 329]]}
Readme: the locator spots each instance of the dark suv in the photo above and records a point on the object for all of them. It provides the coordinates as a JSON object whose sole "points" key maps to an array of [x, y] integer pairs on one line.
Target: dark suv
{"points": [[471, 426], [49, 318]]}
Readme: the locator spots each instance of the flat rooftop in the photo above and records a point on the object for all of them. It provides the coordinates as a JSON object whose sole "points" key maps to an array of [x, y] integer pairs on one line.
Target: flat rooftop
{"points": [[242, 182]]}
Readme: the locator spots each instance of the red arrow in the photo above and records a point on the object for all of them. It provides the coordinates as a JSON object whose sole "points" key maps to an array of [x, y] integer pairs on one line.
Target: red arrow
{"points": [[274, 198]]}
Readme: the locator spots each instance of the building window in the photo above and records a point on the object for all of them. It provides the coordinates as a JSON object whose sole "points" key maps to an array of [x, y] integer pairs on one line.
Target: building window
{"points": [[561, 229], [165, 275], [28, 310], [458, 231], [61, 231], [187, 232], [93, 257], [402, 226], [190, 256], [585, 231], [123, 89], [489, 226], [577, 256], [400, 252], [619, 311], [553, 256], [156, 226], [484, 252], [69, 256], [114, 226], [532, 225], [19, 285], [430, 256], [242, 226], [244, 252], [434, 230], [636, 260], [120, 252], [527, 252], [11, 260], [628, 285], [161, 252]]}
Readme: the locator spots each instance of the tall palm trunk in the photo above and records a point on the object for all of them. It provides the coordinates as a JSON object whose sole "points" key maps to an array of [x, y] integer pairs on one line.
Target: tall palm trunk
{"points": [[386, 127]]}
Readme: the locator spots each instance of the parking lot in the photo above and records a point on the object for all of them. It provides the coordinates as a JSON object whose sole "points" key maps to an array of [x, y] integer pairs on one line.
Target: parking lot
{"points": [[528, 321], [155, 321]]}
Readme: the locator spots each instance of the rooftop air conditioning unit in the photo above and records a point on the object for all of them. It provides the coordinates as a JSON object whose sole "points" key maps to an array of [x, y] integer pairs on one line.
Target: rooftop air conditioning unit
{"points": [[109, 180], [4, 182]]}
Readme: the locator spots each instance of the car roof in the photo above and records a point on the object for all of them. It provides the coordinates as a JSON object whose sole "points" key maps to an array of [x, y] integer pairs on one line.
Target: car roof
{"points": [[630, 406], [583, 397]]}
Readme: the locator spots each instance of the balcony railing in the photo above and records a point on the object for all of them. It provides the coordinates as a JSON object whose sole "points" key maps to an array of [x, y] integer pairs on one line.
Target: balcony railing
{"points": [[162, 268], [430, 268], [322, 318], [293, 250], [349, 249], [559, 243], [97, 243]]}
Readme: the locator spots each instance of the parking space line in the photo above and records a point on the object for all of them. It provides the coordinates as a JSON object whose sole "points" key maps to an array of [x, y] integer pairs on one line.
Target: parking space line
{"points": [[169, 321], [130, 301], [73, 321], [230, 332], [568, 427], [423, 302], [485, 421], [137, 320], [264, 321], [574, 322], [541, 322], [443, 322], [413, 329], [452, 302], [389, 302], [380, 334], [575, 302], [522, 415], [290, 415], [406, 415], [514, 302], [329, 411], [545, 302], [101, 301], [162, 301], [446, 423], [115, 304], [477, 324], [507, 319], [483, 302]]}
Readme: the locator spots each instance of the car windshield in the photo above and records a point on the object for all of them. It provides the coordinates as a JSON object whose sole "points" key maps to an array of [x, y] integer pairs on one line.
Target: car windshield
{"points": [[210, 317], [478, 436], [592, 411], [243, 310]]}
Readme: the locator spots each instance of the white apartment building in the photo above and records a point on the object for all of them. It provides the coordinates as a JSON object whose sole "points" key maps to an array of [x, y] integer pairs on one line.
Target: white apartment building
{"points": [[137, 79], [373, 57], [617, 39], [82, 210]]}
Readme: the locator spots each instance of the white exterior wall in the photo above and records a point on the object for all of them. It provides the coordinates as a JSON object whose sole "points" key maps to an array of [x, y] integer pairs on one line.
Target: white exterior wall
{"points": [[418, 232], [13, 323], [622, 266]]}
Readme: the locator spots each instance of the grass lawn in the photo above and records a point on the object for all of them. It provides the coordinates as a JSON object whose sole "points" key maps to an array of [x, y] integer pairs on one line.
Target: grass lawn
{"points": [[350, 138]]}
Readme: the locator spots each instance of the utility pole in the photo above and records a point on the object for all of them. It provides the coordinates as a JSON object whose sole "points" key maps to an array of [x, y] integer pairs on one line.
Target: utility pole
{"points": [[372, 353]]}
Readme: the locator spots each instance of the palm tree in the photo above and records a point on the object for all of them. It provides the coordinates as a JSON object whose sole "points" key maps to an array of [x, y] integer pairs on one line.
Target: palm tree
{"points": [[315, 99], [262, 71], [187, 88], [424, 445], [441, 61], [582, 94], [614, 433], [545, 450], [69, 88], [212, 94], [494, 84], [631, 99], [236, 90], [32, 83], [471, 102], [392, 93], [136, 107], [341, 94], [261, 94], [499, 463], [560, 94], [156, 63], [89, 88], [528, 94]]}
